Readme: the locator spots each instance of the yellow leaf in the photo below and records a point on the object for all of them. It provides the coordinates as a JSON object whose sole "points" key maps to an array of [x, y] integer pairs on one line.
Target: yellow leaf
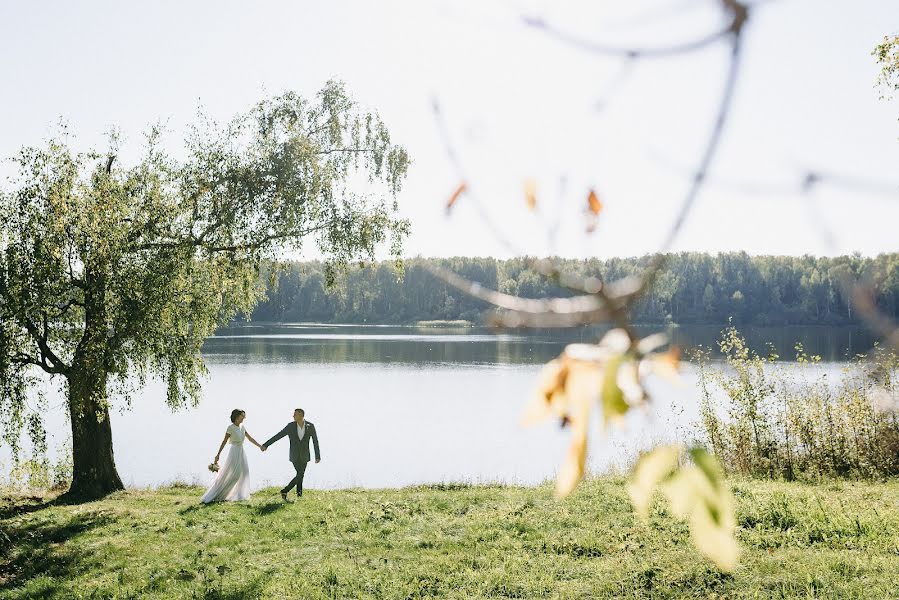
{"points": [[593, 203], [715, 540], [572, 470], [629, 383], [582, 384], [667, 364], [616, 340], [530, 193], [460, 189], [651, 343], [567, 388], [613, 405], [683, 491], [652, 468], [708, 465], [699, 494], [549, 397]]}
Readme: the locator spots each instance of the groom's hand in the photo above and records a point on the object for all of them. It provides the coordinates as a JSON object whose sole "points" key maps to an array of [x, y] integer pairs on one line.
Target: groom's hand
{"points": [[317, 460], [263, 447]]}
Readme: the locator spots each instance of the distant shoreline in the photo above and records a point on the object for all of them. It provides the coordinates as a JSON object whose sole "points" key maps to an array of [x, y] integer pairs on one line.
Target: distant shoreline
{"points": [[444, 323], [438, 323]]}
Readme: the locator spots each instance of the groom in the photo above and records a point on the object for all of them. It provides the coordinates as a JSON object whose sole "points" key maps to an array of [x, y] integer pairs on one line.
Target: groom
{"points": [[299, 431]]}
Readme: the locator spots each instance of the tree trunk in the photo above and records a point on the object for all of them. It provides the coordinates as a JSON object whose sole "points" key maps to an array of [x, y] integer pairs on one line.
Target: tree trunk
{"points": [[93, 470], [94, 473]]}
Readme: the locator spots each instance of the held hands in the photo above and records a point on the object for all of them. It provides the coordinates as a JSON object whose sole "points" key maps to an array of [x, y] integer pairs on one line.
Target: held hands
{"points": [[263, 447]]}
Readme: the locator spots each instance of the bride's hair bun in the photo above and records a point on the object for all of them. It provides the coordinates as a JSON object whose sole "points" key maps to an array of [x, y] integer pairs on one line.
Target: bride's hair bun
{"points": [[236, 413]]}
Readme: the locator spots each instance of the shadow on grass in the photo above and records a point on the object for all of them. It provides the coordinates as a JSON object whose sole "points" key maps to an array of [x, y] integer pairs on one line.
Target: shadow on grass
{"points": [[199, 506], [13, 507], [269, 508], [258, 509], [41, 549], [243, 592]]}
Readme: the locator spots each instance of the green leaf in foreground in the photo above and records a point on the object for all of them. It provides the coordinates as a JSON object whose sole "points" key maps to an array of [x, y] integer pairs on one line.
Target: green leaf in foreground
{"points": [[652, 468], [614, 405], [697, 493]]}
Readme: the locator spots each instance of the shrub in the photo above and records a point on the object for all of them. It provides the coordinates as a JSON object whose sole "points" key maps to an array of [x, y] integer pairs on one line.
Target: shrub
{"points": [[776, 420]]}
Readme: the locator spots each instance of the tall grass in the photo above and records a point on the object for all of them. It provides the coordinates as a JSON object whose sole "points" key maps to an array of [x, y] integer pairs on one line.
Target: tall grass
{"points": [[766, 418]]}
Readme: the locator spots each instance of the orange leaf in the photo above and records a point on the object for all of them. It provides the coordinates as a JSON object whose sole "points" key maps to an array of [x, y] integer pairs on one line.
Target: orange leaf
{"points": [[455, 195], [593, 203], [530, 193]]}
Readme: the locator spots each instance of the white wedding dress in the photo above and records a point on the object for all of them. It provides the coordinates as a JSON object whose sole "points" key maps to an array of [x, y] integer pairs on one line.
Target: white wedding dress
{"points": [[233, 479]]}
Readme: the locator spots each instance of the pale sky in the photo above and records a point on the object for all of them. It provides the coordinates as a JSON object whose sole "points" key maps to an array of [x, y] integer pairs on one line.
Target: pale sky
{"points": [[518, 104]]}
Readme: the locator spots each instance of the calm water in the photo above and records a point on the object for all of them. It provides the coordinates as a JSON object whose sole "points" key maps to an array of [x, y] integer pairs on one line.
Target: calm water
{"points": [[399, 405]]}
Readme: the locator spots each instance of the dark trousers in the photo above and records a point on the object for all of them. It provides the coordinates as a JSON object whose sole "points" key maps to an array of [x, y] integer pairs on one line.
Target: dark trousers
{"points": [[298, 480]]}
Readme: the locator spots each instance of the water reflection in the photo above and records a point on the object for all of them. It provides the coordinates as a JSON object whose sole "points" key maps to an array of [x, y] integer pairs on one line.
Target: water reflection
{"points": [[451, 399], [317, 343]]}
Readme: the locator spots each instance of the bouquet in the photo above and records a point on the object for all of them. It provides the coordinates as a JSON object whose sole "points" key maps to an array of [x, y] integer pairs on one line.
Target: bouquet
{"points": [[214, 467]]}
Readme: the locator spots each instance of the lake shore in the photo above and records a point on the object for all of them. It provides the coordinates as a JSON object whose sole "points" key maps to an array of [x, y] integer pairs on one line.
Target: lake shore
{"points": [[835, 538]]}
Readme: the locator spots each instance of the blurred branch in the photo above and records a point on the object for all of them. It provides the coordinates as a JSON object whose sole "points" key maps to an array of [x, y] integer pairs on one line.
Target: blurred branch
{"points": [[857, 293], [705, 162], [848, 182], [863, 297], [625, 69], [739, 13], [805, 179], [609, 301], [600, 301], [495, 229], [545, 312]]}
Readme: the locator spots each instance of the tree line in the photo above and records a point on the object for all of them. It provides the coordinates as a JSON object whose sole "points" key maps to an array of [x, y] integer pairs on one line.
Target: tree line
{"points": [[694, 288]]}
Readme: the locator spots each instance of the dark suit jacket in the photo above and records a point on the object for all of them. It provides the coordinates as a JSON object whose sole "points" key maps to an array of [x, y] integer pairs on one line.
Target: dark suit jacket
{"points": [[299, 448]]}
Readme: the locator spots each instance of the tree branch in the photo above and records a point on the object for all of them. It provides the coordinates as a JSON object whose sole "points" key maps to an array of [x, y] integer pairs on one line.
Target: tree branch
{"points": [[65, 307], [739, 14], [545, 312], [343, 150], [699, 177], [197, 242], [57, 366]]}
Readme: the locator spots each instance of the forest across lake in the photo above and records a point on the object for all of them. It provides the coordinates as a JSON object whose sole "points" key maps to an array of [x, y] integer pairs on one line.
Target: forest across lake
{"points": [[694, 289]]}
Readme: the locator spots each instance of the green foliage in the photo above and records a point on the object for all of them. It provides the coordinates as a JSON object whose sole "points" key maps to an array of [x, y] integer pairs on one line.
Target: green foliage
{"points": [[695, 288], [887, 55], [836, 539], [784, 421], [110, 272], [35, 471]]}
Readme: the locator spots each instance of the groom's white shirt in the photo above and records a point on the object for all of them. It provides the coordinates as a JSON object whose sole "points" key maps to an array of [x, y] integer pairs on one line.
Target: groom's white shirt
{"points": [[301, 431]]}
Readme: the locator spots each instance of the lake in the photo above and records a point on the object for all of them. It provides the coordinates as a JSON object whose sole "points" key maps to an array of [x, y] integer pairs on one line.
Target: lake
{"points": [[397, 406]]}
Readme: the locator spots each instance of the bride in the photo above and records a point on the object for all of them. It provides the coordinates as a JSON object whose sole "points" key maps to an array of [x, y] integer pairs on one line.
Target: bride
{"points": [[233, 479]]}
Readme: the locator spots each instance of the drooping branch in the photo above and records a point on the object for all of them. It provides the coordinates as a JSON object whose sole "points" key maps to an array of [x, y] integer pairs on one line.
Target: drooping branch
{"points": [[261, 242]]}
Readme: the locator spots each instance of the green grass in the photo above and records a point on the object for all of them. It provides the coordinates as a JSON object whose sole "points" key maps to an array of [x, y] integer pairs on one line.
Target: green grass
{"points": [[836, 539]]}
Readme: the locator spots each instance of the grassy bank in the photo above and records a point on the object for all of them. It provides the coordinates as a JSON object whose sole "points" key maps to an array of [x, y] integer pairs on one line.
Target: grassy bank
{"points": [[836, 539]]}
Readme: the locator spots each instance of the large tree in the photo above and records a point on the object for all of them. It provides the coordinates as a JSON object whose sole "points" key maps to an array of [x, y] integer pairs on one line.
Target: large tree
{"points": [[111, 272]]}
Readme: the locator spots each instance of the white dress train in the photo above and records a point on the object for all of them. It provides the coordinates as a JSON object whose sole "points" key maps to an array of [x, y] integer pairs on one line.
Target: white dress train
{"points": [[233, 479]]}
